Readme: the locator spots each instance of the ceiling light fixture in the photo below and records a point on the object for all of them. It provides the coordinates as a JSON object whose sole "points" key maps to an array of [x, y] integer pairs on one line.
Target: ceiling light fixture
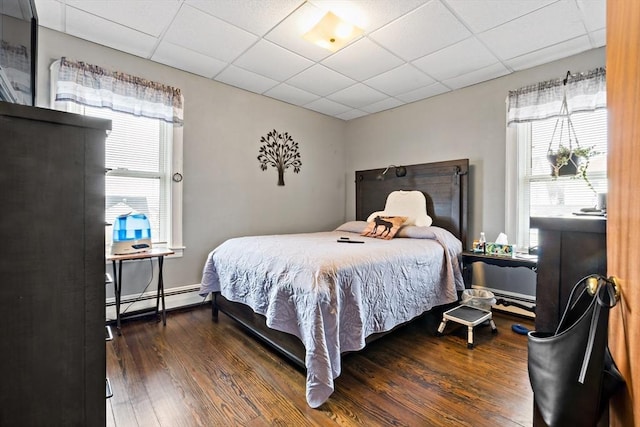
{"points": [[332, 33]]}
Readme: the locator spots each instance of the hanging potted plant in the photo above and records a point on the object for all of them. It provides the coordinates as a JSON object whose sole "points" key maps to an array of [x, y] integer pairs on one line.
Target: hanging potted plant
{"points": [[571, 161], [568, 158]]}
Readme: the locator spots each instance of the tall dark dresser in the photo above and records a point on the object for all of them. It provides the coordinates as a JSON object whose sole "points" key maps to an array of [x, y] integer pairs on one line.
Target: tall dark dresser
{"points": [[52, 268], [570, 248]]}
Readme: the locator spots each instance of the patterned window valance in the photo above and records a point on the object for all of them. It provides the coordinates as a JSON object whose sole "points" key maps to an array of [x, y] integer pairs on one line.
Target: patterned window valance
{"points": [[584, 92], [16, 67], [95, 86], [14, 56]]}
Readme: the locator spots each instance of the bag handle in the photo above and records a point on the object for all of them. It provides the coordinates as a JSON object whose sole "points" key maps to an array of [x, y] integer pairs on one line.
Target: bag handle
{"points": [[606, 294], [592, 284]]}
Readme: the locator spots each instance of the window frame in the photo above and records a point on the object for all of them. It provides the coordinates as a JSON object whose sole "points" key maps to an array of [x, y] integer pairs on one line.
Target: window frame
{"points": [[170, 183], [518, 156]]}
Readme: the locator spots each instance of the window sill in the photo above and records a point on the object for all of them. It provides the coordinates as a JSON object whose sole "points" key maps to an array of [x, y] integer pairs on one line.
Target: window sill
{"points": [[178, 252]]}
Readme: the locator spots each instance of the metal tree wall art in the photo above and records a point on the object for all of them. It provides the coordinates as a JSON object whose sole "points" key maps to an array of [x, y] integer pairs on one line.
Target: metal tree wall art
{"points": [[280, 151]]}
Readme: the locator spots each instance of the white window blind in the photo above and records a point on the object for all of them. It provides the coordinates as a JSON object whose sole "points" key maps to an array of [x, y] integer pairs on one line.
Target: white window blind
{"points": [[565, 195], [138, 160], [548, 196]]}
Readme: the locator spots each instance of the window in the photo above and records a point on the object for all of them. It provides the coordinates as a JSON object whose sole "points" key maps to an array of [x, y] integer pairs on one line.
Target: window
{"points": [[537, 192], [138, 160], [143, 152]]}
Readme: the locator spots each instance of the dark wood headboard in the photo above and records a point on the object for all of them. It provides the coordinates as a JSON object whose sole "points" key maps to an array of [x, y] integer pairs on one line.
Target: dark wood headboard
{"points": [[444, 184]]}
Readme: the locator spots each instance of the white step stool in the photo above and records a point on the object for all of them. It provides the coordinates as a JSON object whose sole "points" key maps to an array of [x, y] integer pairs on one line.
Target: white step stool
{"points": [[469, 316]]}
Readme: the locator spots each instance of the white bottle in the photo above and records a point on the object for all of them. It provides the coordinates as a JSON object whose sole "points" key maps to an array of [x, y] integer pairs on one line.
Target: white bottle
{"points": [[483, 242]]}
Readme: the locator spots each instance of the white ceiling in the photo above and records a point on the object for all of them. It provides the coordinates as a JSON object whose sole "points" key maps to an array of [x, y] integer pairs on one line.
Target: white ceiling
{"points": [[410, 50]]}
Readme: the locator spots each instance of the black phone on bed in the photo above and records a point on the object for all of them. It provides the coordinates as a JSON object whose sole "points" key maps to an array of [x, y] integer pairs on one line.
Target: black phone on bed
{"points": [[348, 240]]}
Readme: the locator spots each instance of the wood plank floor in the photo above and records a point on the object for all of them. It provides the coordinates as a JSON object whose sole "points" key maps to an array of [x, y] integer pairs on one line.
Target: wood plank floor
{"points": [[195, 372]]}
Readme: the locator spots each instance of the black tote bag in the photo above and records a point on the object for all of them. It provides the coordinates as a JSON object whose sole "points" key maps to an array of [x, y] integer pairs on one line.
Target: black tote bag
{"points": [[571, 371]]}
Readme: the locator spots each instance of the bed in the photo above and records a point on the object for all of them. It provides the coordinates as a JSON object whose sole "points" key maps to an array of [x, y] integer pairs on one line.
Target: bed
{"points": [[314, 298]]}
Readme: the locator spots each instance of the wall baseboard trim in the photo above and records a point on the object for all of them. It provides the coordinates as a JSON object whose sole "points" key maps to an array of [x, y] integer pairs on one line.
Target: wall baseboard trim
{"points": [[175, 298]]}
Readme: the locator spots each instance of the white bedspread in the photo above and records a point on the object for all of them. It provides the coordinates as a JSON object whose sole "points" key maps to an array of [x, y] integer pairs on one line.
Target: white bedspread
{"points": [[333, 295]]}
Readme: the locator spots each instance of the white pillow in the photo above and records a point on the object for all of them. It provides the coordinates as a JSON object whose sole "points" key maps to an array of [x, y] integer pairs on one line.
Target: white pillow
{"points": [[411, 204], [353, 227]]}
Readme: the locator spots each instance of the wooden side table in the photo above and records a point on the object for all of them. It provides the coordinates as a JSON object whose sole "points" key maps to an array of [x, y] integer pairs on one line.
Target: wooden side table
{"points": [[468, 258], [159, 253]]}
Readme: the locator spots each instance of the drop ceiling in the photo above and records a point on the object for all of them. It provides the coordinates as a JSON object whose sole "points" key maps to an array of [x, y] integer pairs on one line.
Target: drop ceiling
{"points": [[410, 49]]}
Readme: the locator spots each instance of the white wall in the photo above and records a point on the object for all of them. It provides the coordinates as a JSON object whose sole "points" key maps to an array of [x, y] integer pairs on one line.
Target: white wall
{"points": [[466, 123], [225, 192]]}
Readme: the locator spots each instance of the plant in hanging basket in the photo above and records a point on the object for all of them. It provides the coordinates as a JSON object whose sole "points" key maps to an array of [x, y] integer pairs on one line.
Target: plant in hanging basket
{"points": [[569, 158], [571, 161], [565, 161]]}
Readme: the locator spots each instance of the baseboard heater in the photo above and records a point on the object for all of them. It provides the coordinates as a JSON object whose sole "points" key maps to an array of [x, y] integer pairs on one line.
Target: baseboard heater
{"points": [[526, 303], [143, 304], [148, 296]]}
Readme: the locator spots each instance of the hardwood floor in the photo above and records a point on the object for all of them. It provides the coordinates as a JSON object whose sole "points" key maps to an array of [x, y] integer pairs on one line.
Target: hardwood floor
{"points": [[195, 372]]}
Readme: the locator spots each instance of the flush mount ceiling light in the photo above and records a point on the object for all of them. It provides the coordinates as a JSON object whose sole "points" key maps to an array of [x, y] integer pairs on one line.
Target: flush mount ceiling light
{"points": [[332, 33]]}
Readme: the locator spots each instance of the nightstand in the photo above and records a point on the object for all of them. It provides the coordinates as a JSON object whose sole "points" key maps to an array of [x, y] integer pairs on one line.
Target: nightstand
{"points": [[468, 258]]}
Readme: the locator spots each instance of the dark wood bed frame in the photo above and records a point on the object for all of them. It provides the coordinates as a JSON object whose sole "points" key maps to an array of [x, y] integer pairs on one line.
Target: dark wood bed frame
{"points": [[445, 186]]}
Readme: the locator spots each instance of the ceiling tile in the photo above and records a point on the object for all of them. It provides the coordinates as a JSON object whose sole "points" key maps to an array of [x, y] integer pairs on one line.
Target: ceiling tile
{"points": [[408, 39], [12, 8], [357, 96], [595, 13], [244, 79], [455, 60], [352, 114], [362, 60], [385, 104], [50, 13], [148, 16], [399, 80], [424, 92], [270, 60], [290, 94], [410, 49], [598, 38], [187, 60], [482, 15], [255, 16], [477, 76], [545, 27], [208, 35], [542, 56], [368, 15], [89, 27], [320, 80], [328, 107]]}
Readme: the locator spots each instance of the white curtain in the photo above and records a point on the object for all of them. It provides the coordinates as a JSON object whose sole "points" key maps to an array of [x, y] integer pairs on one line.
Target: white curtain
{"points": [[95, 86], [584, 92]]}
